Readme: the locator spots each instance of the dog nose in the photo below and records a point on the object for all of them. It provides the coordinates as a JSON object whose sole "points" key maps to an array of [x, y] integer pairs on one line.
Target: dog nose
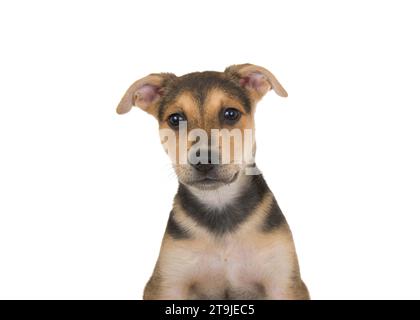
{"points": [[203, 167], [204, 164]]}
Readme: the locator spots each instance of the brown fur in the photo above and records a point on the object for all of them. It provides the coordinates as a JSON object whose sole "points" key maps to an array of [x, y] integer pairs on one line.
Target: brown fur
{"points": [[175, 257], [250, 262]]}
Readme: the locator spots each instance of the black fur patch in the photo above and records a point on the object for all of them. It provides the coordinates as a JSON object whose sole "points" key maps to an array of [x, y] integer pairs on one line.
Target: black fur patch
{"points": [[199, 84], [227, 219], [175, 230], [274, 218]]}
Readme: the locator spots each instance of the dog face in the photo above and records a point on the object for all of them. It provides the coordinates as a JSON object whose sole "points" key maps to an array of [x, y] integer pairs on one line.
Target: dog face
{"points": [[204, 119]]}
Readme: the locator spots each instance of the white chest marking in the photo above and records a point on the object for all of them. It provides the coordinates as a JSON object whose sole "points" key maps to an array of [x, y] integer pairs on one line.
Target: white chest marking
{"points": [[221, 196]]}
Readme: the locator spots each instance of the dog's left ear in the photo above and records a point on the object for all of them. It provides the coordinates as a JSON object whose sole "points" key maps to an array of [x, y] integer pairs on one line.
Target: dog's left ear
{"points": [[257, 80]]}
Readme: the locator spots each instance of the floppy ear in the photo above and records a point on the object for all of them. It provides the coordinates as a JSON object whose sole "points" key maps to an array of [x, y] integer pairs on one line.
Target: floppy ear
{"points": [[257, 80], [145, 93]]}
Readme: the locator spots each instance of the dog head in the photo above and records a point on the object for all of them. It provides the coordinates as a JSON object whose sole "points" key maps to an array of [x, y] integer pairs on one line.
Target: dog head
{"points": [[206, 119]]}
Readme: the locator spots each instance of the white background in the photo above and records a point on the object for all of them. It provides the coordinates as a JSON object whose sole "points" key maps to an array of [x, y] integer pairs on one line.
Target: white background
{"points": [[85, 193]]}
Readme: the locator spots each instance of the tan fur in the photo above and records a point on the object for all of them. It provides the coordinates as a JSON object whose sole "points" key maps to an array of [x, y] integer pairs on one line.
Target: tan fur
{"points": [[248, 263], [246, 69], [272, 260], [215, 101], [133, 98], [183, 103]]}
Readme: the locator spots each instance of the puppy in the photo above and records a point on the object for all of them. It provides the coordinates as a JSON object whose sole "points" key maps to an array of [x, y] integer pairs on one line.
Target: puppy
{"points": [[226, 237]]}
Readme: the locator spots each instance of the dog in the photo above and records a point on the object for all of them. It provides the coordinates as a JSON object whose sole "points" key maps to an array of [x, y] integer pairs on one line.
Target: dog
{"points": [[226, 237]]}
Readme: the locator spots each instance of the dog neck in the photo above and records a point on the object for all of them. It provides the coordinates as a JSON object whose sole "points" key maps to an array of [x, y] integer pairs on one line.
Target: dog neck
{"points": [[225, 208]]}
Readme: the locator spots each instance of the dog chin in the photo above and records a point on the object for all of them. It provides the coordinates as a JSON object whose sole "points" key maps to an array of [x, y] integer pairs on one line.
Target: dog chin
{"points": [[212, 183]]}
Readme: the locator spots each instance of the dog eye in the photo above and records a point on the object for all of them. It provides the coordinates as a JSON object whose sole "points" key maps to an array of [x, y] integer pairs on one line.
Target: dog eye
{"points": [[174, 120], [231, 115]]}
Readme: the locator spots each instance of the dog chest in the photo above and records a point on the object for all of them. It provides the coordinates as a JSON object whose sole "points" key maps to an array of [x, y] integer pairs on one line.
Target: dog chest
{"points": [[229, 269]]}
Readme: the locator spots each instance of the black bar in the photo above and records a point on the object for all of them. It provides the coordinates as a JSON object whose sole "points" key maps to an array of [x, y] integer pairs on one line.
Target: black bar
{"points": [[185, 310]]}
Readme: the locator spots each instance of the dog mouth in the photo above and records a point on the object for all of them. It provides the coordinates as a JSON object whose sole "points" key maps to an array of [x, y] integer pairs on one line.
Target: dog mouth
{"points": [[214, 182]]}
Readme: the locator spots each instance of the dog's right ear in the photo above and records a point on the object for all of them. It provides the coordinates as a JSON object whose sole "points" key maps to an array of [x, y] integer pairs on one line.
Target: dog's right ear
{"points": [[145, 93]]}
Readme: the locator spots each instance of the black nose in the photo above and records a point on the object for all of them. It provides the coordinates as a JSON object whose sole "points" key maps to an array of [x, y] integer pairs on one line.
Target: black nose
{"points": [[203, 167]]}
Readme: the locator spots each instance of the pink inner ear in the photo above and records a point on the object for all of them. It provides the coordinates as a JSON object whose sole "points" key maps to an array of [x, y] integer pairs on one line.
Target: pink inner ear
{"points": [[244, 81], [147, 93], [254, 81]]}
